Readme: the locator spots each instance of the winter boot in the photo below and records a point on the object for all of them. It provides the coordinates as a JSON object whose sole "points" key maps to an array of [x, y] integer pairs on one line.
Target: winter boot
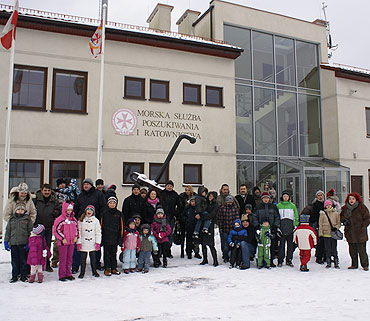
{"points": [[164, 262], [40, 277], [204, 262], [116, 272], [189, 256], [289, 263], [145, 271], [197, 255], [126, 271], [196, 235], [107, 272], [83, 269], [182, 255], [336, 262], [328, 263], [48, 267], [132, 270], [214, 256], [32, 278], [139, 270]]}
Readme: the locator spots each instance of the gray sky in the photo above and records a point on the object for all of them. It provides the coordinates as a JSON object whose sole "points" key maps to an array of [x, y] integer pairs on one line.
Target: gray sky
{"points": [[348, 19]]}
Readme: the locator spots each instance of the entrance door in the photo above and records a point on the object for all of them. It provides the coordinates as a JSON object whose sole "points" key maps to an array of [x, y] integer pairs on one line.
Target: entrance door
{"points": [[291, 183], [356, 184]]}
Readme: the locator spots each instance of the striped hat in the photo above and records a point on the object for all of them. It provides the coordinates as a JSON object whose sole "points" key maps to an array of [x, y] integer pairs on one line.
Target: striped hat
{"points": [[112, 199], [90, 207], [38, 229]]}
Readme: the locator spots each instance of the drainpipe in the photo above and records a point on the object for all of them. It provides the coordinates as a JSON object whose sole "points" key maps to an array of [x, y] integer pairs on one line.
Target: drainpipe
{"points": [[211, 21]]}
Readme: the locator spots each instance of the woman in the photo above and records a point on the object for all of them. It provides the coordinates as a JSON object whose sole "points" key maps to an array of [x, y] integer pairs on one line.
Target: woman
{"points": [[356, 217], [185, 199], [150, 206]]}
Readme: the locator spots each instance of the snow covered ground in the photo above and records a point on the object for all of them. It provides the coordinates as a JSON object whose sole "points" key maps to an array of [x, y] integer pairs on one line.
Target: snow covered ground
{"points": [[187, 291]]}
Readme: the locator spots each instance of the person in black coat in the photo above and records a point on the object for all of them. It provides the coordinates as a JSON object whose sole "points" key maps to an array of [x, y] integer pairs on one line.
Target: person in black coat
{"points": [[132, 204], [244, 198], [248, 243], [152, 202], [185, 199]]}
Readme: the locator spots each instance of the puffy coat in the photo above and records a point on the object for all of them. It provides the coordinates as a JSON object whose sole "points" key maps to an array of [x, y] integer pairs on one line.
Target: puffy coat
{"points": [[18, 229], [37, 243], [131, 240], [305, 237], [324, 225], [267, 212], [65, 227], [317, 206], [133, 204], [13, 200], [289, 218], [356, 229], [89, 233], [47, 211], [188, 216], [148, 212], [148, 243], [90, 197], [171, 203], [160, 235], [235, 232], [200, 204], [212, 211], [112, 227]]}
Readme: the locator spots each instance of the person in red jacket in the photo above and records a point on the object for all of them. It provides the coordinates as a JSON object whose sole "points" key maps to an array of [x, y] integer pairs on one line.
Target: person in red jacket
{"points": [[161, 231]]}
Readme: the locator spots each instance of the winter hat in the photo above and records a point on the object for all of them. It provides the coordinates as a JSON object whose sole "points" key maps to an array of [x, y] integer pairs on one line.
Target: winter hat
{"points": [[146, 226], [99, 181], [170, 183], [70, 207], [228, 199], [304, 218], [113, 187], [22, 188], [265, 194], [285, 193], [244, 218], [143, 189], [328, 202], [330, 193], [249, 206], [38, 228], [237, 221], [135, 186], [90, 207], [112, 199], [192, 198], [87, 180], [20, 206], [60, 181], [137, 216], [131, 220], [319, 192], [255, 188], [159, 210]]}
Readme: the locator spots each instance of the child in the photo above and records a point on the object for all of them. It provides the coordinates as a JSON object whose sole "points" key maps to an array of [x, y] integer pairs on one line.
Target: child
{"points": [[66, 232], [89, 239], [38, 253], [234, 243], [131, 245], [161, 230], [137, 220], [112, 235], [264, 243], [248, 210], [200, 208], [17, 232], [329, 215], [147, 245], [305, 237]]}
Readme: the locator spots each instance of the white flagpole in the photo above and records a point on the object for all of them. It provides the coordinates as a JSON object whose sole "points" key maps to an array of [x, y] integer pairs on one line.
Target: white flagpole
{"points": [[8, 128], [100, 129]]}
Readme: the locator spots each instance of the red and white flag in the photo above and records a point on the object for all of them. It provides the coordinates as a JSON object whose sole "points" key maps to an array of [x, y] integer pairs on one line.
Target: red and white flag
{"points": [[8, 33], [96, 41]]}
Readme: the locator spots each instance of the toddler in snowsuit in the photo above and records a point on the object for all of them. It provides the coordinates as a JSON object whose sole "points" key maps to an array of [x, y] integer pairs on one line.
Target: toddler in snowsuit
{"points": [[131, 245], [234, 243], [66, 232], [71, 191], [263, 247], [38, 253], [161, 230], [147, 245], [89, 239], [17, 232], [200, 208], [305, 237]]}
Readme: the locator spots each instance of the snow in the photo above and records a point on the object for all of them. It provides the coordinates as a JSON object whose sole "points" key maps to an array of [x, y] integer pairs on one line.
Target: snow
{"points": [[188, 291], [349, 68]]}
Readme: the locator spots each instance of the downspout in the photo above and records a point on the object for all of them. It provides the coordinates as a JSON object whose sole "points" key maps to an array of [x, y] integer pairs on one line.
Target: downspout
{"points": [[211, 21]]}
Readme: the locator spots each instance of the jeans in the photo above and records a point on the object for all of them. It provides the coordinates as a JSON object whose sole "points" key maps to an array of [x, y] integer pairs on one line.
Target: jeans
{"points": [[144, 260], [224, 245], [206, 225], [248, 250], [19, 260], [129, 259]]}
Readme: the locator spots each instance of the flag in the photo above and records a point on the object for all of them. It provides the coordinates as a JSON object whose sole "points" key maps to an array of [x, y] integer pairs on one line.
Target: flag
{"points": [[95, 42], [9, 30]]}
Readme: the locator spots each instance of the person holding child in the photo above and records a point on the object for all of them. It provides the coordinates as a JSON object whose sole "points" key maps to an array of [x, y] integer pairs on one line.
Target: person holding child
{"points": [[234, 243]]}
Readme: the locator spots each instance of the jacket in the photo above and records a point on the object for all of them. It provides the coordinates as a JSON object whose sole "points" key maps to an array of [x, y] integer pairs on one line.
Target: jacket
{"points": [[148, 243], [235, 232], [264, 238], [324, 225], [212, 212], [221, 200], [200, 204], [305, 237], [13, 200], [89, 233], [247, 199], [71, 192], [188, 216], [289, 218], [267, 212], [226, 216], [18, 229], [131, 240], [132, 205], [171, 203], [112, 227], [315, 209], [148, 212], [47, 211], [37, 243], [160, 236], [65, 227], [91, 197], [356, 229]]}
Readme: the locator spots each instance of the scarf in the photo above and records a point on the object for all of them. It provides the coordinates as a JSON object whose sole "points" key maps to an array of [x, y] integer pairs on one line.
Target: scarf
{"points": [[163, 223], [153, 202], [350, 208], [129, 230]]}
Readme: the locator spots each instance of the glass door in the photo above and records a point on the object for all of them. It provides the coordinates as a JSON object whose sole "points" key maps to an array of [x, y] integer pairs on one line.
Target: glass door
{"points": [[291, 183]]}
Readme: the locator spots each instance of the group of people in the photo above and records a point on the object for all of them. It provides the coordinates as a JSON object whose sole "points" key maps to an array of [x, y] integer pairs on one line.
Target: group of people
{"points": [[251, 227]]}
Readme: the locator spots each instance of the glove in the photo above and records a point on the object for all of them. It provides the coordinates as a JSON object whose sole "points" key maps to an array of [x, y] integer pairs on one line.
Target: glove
{"points": [[6, 245], [155, 252], [44, 253], [27, 247], [122, 249], [161, 235], [97, 246], [79, 247], [258, 232], [231, 244], [237, 245], [278, 232]]}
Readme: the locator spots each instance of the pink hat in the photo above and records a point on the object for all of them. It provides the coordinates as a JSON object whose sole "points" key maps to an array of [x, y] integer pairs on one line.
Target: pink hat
{"points": [[328, 202]]}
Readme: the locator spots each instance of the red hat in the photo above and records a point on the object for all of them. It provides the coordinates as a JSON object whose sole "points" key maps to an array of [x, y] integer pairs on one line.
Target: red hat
{"points": [[265, 194]]}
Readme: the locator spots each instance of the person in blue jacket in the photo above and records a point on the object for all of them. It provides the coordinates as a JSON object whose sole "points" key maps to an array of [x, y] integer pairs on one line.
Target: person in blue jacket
{"points": [[234, 243]]}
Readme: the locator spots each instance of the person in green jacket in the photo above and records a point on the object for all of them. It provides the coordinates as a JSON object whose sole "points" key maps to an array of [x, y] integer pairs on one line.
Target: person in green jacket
{"points": [[264, 243], [289, 220]]}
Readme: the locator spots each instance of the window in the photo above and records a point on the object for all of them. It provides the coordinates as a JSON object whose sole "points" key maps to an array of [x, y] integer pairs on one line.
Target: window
{"points": [[154, 170], [128, 169], [192, 174], [29, 87], [28, 171], [214, 96], [263, 59], [69, 91], [134, 88], [307, 65], [367, 112], [159, 90], [192, 94], [66, 169]]}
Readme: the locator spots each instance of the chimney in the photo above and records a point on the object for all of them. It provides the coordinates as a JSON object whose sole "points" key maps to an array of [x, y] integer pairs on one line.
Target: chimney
{"points": [[185, 22], [160, 18]]}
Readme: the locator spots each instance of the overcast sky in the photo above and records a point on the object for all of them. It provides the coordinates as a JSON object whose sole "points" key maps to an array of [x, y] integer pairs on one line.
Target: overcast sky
{"points": [[349, 19]]}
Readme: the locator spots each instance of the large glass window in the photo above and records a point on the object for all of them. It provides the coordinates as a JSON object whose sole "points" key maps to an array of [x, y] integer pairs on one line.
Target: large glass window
{"points": [[245, 173], [66, 169], [309, 125], [244, 119], [28, 171], [307, 65], [266, 173], [29, 87], [314, 181], [285, 66], [287, 123], [263, 60], [265, 121]]}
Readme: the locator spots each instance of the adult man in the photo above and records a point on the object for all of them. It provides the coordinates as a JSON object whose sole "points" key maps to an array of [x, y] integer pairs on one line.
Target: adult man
{"points": [[99, 185], [48, 209], [225, 191], [256, 192], [244, 198], [267, 211], [133, 204]]}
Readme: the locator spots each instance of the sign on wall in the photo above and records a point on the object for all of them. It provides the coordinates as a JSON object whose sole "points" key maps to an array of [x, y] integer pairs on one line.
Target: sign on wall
{"points": [[124, 121]]}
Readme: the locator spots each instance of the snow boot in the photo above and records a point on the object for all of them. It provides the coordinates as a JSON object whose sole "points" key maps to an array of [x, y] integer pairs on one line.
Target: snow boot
{"points": [[32, 278], [139, 270], [40, 277], [182, 255], [115, 272], [289, 263], [126, 271], [336, 262], [83, 269], [145, 271], [132, 270], [328, 263], [165, 262], [204, 262], [48, 267], [197, 255]]}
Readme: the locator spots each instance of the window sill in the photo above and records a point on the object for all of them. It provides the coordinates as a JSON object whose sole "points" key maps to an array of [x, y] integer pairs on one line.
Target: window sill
{"points": [[192, 184], [66, 111], [160, 100], [219, 106], [28, 108], [190, 103], [133, 98]]}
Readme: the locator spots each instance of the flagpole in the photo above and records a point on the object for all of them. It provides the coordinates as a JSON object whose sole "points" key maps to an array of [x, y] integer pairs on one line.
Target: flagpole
{"points": [[100, 129], [7, 133]]}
